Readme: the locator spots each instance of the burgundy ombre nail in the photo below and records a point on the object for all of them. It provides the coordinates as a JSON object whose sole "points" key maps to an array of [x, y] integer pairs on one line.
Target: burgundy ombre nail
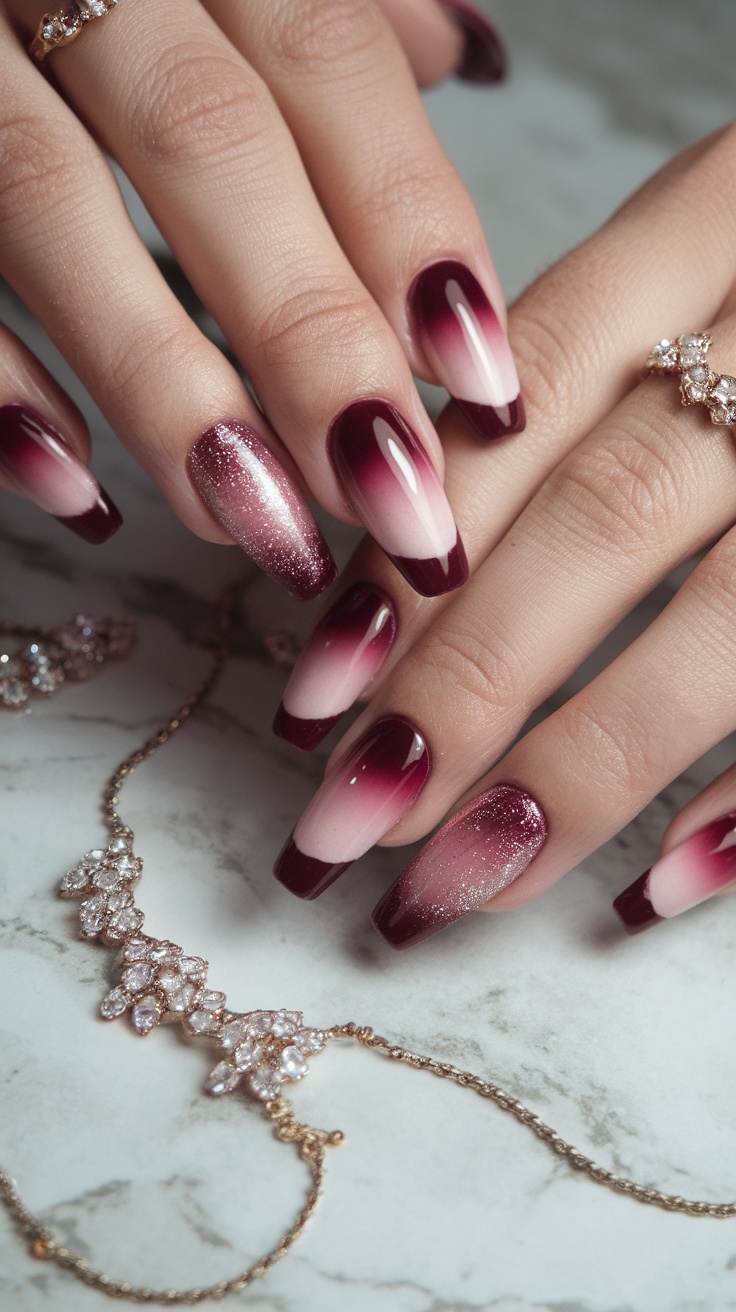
{"points": [[396, 491], [240, 480], [359, 801], [460, 334], [692, 872], [481, 850], [484, 58], [345, 651], [37, 459]]}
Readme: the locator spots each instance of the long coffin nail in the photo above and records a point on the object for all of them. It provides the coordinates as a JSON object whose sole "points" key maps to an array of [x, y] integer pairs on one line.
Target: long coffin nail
{"points": [[40, 463], [481, 850], [457, 328], [692, 872], [240, 480], [484, 58], [396, 491], [359, 801], [341, 657]]}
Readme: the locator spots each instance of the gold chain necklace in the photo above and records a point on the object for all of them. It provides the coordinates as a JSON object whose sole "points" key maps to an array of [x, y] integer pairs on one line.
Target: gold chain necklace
{"points": [[259, 1052]]}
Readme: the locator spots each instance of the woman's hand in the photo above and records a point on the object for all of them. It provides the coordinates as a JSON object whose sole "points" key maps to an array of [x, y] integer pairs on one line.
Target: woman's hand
{"points": [[283, 150], [567, 528]]}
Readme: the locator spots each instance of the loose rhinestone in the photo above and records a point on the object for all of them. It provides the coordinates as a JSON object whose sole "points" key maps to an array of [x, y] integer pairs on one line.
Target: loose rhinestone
{"points": [[293, 1065], [212, 1001], [74, 880], [146, 1014], [184, 999], [92, 915], [114, 1004], [247, 1055], [137, 949], [122, 924], [233, 1033], [138, 976], [202, 1022], [223, 1079], [286, 1023], [260, 1022], [309, 1041], [265, 1083]]}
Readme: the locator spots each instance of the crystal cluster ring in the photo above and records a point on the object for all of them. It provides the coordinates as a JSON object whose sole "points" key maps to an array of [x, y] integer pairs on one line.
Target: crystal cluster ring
{"points": [[59, 29], [686, 356]]}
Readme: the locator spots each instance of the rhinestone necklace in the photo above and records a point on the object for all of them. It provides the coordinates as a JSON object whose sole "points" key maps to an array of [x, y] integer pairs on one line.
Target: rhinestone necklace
{"points": [[259, 1052]]}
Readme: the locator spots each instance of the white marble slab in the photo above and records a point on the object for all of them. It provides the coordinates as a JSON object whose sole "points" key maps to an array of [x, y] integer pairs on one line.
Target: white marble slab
{"points": [[436, 1202]]}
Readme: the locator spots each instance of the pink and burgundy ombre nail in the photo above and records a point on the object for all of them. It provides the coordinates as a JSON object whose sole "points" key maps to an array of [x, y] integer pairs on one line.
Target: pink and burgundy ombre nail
{"points": [[484, 58], [240, 480], [481, 850], [395, 489], [345, 651], [460, 334], [359, 801], [36, 458], [692, 872]]}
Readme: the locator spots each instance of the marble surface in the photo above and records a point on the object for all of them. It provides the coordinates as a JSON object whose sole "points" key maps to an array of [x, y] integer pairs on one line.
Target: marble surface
{"points": [[436, 1202]]}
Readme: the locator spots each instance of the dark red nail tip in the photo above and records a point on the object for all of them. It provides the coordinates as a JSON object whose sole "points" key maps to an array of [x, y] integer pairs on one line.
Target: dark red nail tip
{"points": [[98, 524], [434, 577], [634, 906], [484, 59], [305, 876], [494, 421], [304, 734]]}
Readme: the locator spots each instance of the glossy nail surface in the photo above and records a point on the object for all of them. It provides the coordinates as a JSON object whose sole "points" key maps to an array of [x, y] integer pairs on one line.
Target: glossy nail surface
{"points": [[460, 334], [345, 651], [240, 480], [359, 801], [484, 58], [692, 872], [397, 494], [481, 850], [35, 457]]}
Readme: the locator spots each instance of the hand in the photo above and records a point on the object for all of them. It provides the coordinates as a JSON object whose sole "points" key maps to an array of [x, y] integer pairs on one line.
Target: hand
{"points": [[567, 528], [284, 153]]}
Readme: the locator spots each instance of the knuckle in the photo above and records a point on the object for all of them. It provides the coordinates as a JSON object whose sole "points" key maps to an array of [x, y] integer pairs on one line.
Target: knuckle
{"points": [[34, 169], [622, 492], [197, 106], [484, 671], [402, 189], [161, 348], [612, 740], [315, 36], [322, 320]]}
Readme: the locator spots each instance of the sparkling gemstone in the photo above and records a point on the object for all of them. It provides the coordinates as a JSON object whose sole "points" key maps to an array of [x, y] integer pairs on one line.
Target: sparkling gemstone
{"points": [[194, 967], [212, 1000], [169, 980], [146, 1014], [165, 954], [260, 1022], [203, 1022], [309, 1041], [13, 692], [293, 1065], [116, 901], [114, 1004], [265, 1083], [105, 877], [247, 1055], [693, 348], [663, 355], [233, 1033], [92, 915], [285, 1023], [137, 948], [184, 998], [119, 844], [122, 924], [138, 976], [74, 880], [223, 1079], [128, 866], [94, 857], [723, 400], [695, 383]]}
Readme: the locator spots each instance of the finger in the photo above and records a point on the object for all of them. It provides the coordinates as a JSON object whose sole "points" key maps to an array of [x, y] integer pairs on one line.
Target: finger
{"points": [[448, 37], [649, 488], [68, 248], [198, 133], [572, 379], [698, 859], [44, 446], [402, 215], [587, 770]]}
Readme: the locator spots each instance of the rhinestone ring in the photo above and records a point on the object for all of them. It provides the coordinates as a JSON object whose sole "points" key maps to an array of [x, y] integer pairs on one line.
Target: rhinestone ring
{"points": [[687, 356], [59, 29]]}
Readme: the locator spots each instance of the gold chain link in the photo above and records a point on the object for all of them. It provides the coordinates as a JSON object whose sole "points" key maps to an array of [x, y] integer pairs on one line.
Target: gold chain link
{"points": [[312, 1143]]}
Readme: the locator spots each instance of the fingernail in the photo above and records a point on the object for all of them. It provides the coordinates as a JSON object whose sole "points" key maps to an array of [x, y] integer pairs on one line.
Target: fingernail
{"points": [[240, 480], [359, 801], [692, 872], [484, 58], [35, 457], [345, 651], [460, 334], [481, 850], [395, 490]]}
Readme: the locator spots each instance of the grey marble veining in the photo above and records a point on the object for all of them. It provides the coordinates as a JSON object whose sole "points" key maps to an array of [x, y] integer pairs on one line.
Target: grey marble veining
{"points": [[436, 1202]]}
